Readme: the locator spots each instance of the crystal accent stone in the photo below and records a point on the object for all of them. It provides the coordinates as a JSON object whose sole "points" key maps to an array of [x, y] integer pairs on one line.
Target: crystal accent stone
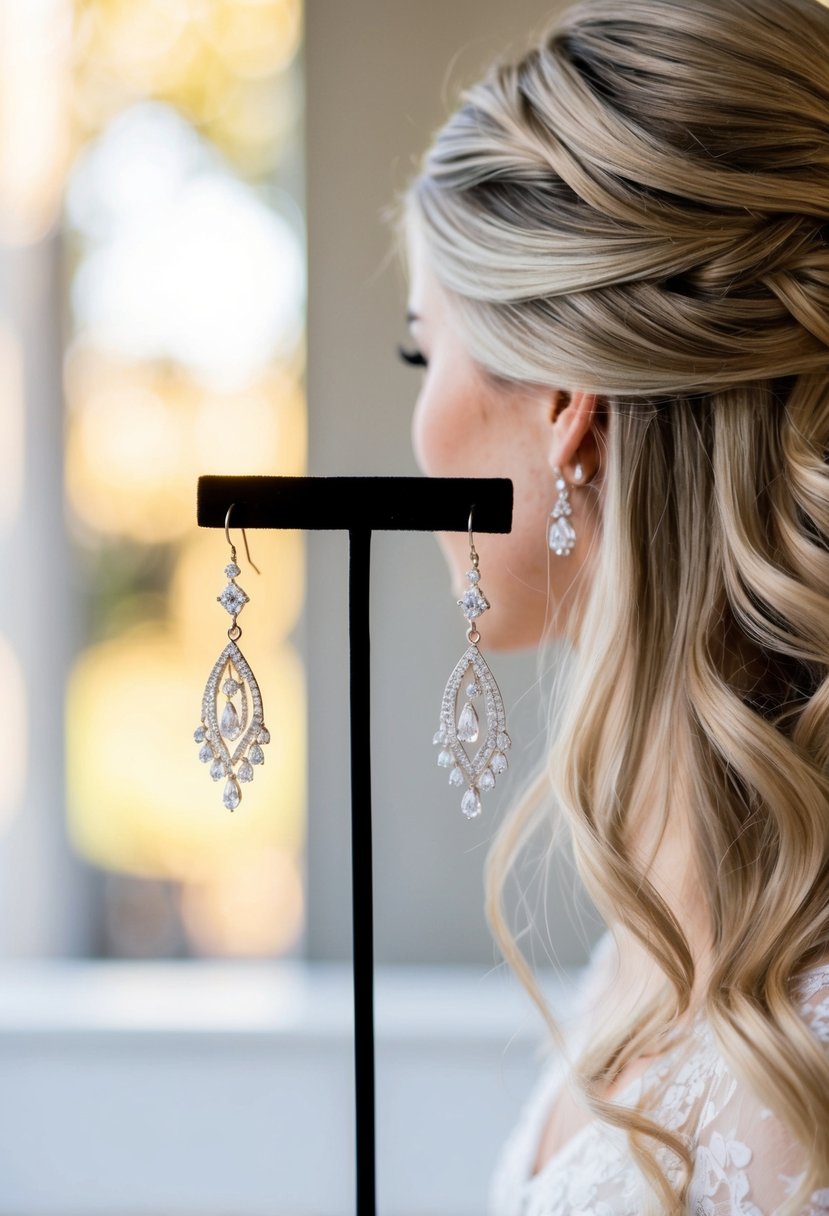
{"points": [[439, 736], [233, 598], [232, 795], [473, 604], [206, 754], [561, 484], [504, 742], [217, 770], [445, 759], [198, 734], [264, 736], [245, 771], [487, 781], [230, 725], [468, 724], [561, 537], [456, 776], [256, 755], [499, 763], [472, 690], [471, 803], [474, 576], [230, 688], [231, 570]]}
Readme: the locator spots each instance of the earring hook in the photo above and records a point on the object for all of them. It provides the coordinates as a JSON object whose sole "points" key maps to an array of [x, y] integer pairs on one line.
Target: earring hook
{"points": [[473, 553], [244, 538]]}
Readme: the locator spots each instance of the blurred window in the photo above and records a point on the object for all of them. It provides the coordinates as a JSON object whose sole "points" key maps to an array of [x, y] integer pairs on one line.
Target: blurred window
{"points": [[151, 151]]}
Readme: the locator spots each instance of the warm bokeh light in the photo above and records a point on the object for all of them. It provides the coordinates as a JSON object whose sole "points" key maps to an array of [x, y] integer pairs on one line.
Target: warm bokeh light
{"points": [[139, 436], [221, 63], [251, 907], [12, 411], [14, 740], [185, 262], [139, 799], [35, 132]]}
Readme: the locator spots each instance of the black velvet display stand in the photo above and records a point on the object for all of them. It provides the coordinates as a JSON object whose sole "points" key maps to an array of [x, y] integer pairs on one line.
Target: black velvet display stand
{"points": [[360, 506]]}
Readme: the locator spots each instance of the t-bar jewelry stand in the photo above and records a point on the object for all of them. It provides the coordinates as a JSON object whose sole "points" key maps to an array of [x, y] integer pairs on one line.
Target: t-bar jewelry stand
{"points": [[360, 506]]}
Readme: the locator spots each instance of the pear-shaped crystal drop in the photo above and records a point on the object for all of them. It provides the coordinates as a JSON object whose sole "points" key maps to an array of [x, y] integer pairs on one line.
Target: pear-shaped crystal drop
{"points": [[206, 753], [487, 780], [232, 795], [217, 770], [498, 763], [245, 771], [257, 756], [561, 537], [456, 776], [471, 803], [446, 759], [230, 725], [468, 724]]}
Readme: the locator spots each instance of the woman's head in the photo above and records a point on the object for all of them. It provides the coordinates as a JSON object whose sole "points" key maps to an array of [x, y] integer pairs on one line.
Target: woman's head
{"points": [[632, 224], [637, 210], [638, 207]]}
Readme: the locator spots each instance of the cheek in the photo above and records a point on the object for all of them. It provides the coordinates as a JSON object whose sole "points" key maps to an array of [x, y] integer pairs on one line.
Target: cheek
{"points": [[440, 431], [439, 441]]}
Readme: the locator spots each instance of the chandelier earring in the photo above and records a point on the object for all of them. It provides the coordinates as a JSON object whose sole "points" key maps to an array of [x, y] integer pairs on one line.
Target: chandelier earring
{"points": [[459, 726], [232, 677]]}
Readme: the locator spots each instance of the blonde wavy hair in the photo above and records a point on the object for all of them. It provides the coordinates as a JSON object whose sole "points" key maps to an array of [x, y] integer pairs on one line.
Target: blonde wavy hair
{"points": [[640, 208]]}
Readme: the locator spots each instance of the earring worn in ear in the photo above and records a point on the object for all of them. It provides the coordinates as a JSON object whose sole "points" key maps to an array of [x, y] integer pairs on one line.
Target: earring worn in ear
{"points": [[250, 731], [479, 772], [561, 535]]}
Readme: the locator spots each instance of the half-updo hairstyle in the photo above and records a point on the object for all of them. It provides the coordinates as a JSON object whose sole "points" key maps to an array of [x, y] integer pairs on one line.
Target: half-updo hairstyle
{"points": [[640, 208]]}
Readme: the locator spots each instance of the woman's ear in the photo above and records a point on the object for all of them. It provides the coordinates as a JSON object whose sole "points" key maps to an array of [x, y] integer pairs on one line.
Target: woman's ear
{"points": [[575, 420]]}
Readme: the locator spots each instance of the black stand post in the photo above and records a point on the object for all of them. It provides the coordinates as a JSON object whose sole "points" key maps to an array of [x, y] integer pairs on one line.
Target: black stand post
{"points": [[361, 865], [361, 505]]}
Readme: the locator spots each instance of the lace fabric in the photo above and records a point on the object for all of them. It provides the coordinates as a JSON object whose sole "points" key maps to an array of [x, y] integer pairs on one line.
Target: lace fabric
{"points": [[745, 1161]]}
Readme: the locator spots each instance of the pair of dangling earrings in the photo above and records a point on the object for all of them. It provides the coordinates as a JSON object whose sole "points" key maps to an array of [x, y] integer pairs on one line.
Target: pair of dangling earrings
{"points": [[243, 725], [479, 771]]}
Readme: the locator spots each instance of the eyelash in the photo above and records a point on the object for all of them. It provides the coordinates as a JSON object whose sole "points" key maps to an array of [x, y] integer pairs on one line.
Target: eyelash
{"points": [[413, 357]]}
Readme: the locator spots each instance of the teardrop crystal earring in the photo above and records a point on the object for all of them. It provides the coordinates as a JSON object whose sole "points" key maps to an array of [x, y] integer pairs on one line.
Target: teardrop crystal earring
{"points": [[561, 535], [232, 672], [478, 772]]}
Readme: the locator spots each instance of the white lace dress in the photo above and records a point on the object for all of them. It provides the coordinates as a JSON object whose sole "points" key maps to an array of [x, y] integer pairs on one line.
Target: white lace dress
{"points": [[745, 1162]]}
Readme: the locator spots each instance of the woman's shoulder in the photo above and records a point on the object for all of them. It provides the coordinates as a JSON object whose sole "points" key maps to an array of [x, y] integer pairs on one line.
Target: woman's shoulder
{"points": [[741, 1148]]}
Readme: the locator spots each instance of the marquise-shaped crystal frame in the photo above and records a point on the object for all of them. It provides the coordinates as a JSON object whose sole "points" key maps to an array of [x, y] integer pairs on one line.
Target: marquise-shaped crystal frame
{"points": [[496, 720], [251, 726]]}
